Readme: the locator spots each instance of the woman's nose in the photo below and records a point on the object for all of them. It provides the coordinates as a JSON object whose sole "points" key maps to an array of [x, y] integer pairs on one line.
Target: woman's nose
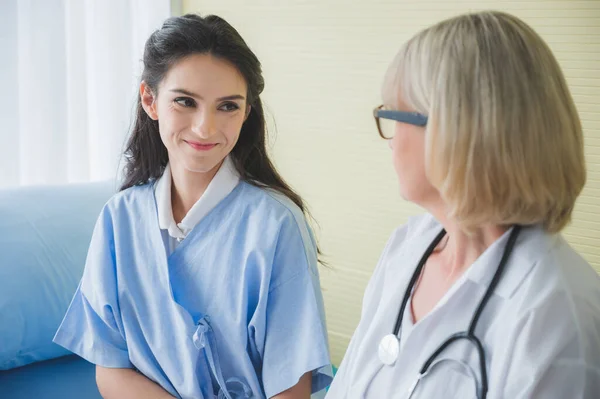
{"points": [[204, 124]]}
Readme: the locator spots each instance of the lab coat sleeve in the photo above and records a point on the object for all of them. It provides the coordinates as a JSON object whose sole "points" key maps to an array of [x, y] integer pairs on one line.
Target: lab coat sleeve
{"points": [[555, 358], [91, 327], [294, 340]]}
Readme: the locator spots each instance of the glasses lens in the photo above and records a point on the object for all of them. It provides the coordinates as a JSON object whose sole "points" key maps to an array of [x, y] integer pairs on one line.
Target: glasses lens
{"points": [[387, 127]]}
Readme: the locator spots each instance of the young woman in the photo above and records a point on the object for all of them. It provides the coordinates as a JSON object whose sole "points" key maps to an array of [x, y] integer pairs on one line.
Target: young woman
{"points": [[201, 279]]}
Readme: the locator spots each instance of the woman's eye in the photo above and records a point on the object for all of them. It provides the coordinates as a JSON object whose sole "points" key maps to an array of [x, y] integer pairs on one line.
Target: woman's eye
{"points": [[185, 102], [229, 107]]}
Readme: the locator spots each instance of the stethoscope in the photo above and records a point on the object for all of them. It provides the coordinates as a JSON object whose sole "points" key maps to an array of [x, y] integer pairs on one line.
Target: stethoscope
{"points": [[389, 347]]}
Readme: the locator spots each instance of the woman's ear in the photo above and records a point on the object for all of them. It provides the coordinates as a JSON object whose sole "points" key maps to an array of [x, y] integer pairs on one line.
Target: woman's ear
{"points": [[148, 101]]}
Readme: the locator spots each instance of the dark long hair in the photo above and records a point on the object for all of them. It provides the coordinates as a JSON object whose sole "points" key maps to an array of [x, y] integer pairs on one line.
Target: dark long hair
{"points": [[145, 154]]}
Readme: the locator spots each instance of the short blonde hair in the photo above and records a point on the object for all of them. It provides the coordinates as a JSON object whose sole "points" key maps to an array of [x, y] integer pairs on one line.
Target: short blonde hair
{"points": [[504, 143]]}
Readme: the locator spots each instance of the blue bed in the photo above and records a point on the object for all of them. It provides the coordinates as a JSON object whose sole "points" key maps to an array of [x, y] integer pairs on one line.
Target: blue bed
{"points": [[68, 377], [44, 236]]}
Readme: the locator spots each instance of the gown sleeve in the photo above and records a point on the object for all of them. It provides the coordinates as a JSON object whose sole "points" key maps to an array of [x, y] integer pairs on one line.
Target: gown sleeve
{"points": [[293, 338], [92, 326]]}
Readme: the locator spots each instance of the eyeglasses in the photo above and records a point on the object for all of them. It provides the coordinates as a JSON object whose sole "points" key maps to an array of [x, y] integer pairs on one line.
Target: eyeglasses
{"points": [[385, 120]]}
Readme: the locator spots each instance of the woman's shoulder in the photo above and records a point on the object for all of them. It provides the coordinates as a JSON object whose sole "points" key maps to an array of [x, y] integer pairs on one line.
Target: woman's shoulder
{"points": [[126, 207], [554, 312], [405, 245], [556, 267], [275, 214], [271, 204], [561, 292], [561, 273], [126, 199], [416, 228]]}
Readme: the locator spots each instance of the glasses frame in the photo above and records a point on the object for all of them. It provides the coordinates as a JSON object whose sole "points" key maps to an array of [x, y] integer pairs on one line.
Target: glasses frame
{"points": [[412, 118]]}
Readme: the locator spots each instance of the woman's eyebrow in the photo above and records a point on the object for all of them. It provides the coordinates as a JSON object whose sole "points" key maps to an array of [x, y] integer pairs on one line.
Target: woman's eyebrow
{"points": [[198, 96]]}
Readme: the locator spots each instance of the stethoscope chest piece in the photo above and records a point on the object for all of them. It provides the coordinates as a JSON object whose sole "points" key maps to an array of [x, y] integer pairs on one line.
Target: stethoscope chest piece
{"points": [[389, 349]]}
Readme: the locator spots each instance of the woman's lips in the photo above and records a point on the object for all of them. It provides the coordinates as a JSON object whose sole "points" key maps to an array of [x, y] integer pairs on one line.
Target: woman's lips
{"points": [[200, 146]]}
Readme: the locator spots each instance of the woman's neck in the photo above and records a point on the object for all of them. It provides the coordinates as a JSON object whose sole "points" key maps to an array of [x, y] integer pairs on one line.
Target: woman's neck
{"points": [[462, 249], [187, 188], [455, 253]]}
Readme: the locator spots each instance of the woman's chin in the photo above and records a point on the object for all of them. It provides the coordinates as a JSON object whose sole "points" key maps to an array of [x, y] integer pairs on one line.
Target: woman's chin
{"points": [[206, 165]]}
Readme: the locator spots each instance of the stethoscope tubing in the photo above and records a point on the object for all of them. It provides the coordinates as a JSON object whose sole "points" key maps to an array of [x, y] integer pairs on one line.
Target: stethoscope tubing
{"points": [[470, 333]]}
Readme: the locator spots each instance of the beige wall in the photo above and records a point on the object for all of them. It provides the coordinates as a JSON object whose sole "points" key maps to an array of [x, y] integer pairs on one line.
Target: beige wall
{"points": [[323, 63]]}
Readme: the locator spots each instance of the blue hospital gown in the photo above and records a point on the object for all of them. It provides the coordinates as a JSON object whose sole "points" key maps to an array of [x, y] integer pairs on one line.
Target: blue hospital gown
{"points": [[236, 310]]}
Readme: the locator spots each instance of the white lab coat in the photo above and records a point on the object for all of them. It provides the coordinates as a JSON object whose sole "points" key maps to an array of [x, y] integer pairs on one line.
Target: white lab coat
{"points": [[540, 329]]}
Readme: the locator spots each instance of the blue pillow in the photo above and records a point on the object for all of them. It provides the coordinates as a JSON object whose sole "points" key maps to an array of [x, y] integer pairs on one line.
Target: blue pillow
{"points": [[44, 236]]}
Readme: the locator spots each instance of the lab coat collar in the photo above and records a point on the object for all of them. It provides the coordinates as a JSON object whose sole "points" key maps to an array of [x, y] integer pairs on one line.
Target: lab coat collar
{"points": [[531, 245]]}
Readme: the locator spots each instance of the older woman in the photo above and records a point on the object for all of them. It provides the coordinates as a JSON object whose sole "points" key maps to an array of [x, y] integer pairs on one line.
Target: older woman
{"points": [[482, 295]]}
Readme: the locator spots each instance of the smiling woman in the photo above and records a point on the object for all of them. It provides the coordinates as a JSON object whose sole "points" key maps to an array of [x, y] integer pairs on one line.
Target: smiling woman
{"points": [[200, 112], [202, 268]]}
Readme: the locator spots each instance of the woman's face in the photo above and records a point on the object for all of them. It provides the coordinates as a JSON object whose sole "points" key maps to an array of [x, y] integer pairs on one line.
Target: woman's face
{"points": [[200, 107], [408, 154]]}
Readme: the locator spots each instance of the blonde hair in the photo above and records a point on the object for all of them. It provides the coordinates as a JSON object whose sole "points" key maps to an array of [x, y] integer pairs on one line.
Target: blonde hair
{"points": [[504, 143]]}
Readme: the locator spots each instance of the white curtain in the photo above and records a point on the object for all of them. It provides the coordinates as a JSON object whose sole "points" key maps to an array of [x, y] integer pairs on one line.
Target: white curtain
{"points": [[69, 71]]}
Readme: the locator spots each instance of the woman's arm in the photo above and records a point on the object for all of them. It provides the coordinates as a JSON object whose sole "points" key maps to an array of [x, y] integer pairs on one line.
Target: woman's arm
{"points": [[299, 391], [128, 384]]}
